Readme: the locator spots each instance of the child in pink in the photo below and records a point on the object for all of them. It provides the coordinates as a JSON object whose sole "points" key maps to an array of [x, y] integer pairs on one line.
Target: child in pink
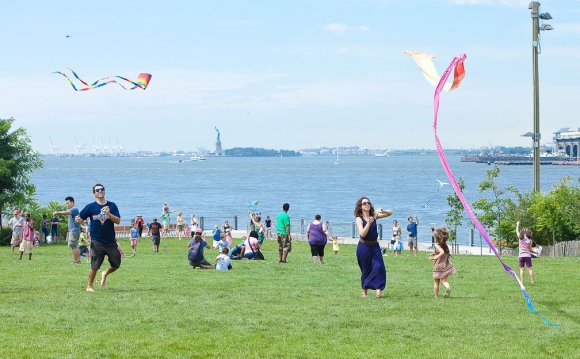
{"points": [[525, 251], [27, 237], [442, 265]]}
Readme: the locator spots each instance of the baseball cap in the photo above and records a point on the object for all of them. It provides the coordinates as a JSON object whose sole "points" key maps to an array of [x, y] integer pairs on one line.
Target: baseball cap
{"points": [[198, 230]]}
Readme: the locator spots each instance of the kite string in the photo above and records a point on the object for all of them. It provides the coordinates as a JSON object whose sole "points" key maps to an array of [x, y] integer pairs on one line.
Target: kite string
{"points": [[466, 206]]}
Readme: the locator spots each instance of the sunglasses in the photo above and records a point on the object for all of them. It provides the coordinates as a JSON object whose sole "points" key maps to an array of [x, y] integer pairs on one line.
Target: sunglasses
{"points": [[102, 189], [363, 203]]}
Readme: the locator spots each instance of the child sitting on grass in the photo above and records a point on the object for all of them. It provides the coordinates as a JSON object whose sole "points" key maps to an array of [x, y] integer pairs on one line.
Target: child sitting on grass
{"points": [[223, 262], [442, 265]]}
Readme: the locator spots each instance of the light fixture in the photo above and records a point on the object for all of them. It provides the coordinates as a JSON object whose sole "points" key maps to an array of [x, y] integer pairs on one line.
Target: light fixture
{"points": [[546, 27], [545, 16]]}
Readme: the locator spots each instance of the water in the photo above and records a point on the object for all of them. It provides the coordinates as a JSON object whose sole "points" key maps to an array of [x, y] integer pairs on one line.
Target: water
{"points": [[221, 188]]}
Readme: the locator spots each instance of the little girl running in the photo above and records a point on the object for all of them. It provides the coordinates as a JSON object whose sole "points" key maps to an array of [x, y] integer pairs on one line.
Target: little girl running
{"points": [[442, 265]]}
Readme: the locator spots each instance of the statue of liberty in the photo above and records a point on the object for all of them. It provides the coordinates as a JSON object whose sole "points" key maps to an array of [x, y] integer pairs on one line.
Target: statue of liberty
{"points": [[218, 135]]}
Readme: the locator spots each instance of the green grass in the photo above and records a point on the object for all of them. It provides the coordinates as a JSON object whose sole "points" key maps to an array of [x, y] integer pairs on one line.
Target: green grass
{"points": [[156, 306]]}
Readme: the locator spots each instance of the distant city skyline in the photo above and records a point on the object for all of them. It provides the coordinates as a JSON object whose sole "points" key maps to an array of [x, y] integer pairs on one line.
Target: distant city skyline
{"points": [[288, 74]]}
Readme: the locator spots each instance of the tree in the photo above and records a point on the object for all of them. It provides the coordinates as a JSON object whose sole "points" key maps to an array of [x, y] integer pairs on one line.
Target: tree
{"points": [[17, 161], [454, 217], [492, 210], [557, 213]]}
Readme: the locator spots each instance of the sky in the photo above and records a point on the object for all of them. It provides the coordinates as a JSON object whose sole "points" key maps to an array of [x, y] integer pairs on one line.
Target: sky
{"points": [[286, 74]]}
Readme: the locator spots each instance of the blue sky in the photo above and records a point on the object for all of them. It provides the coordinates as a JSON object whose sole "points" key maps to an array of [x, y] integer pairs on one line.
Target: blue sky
{"points": [[284, 74]]}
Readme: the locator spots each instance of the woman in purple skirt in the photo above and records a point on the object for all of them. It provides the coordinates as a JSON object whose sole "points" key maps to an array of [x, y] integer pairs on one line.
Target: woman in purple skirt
{"points": [[368, 251]]}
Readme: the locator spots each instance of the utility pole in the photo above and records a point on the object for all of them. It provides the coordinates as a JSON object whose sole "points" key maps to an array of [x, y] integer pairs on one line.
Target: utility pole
{"points": [[536, 49]]}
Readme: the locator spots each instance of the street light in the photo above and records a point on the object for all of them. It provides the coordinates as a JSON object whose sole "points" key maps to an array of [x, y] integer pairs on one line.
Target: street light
{"points": [[536, 49]]}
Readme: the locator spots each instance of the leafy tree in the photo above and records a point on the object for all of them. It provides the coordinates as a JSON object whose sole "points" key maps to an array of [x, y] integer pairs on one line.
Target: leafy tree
{"points": [[17, 161], [454, 217], [492, 210], [557, 213]]}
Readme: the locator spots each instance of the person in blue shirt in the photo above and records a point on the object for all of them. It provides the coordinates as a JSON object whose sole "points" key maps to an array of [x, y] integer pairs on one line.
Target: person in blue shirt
{"points": [[103, 216], [412, 234], [74, 229]]}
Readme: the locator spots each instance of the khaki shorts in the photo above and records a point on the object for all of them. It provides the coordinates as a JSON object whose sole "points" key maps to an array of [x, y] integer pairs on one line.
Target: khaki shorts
{"points": [[412, 242], [26, 246], [284, 243], [16, 239], [73, 239]]}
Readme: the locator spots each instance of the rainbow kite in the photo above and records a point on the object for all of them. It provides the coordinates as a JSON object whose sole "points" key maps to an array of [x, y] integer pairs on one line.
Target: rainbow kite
{"points": [[142, 81], [459, 73]]}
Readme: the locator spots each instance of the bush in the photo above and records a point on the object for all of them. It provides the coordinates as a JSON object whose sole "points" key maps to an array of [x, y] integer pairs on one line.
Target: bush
{"points": [[5, 235]]}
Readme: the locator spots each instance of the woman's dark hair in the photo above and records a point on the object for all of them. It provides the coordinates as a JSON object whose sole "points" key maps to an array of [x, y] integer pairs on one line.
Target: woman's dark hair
{"points": [[253, 234], [317, 217], [258, 219], [197, 238], [358, 207]]}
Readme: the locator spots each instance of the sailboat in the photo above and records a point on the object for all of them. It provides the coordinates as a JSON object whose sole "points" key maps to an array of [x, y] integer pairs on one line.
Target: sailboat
{"points": [[336, 162]]}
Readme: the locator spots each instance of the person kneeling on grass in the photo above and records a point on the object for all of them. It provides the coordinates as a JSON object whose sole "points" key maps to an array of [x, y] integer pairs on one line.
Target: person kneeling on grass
{"points": [[251, 248], [236, 252], [195, 256], [223, 262]]}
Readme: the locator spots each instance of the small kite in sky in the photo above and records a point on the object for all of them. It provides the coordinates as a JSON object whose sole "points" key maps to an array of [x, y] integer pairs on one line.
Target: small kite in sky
{"points": [[142, 81], [254, 205], [441, 184], [425, 63]]}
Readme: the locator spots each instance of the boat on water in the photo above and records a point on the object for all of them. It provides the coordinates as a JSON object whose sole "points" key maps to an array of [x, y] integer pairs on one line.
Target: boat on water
{"points": [[197, 158]]}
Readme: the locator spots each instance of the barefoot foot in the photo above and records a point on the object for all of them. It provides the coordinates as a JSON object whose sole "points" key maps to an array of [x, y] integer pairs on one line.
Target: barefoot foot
{"points": [[90, 289]]}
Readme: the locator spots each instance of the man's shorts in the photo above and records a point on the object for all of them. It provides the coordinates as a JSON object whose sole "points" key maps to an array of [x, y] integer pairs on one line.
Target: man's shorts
{"points": [[284, 243], [54, 232], [412, 242], [73, 239], [16, 239], [155, 239], [26, 246], [100, 250]]}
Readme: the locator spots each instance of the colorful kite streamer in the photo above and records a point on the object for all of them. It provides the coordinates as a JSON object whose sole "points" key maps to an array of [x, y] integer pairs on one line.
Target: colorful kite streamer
{"points": [[459, 73], [142, 81]]}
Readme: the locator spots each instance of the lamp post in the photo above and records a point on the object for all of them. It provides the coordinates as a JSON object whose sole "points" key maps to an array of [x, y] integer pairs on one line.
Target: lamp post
{"points": [[536, 49]]}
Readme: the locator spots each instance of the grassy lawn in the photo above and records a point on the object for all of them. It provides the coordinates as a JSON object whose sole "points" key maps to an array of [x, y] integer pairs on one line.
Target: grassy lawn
{"points": [[156, 306]]}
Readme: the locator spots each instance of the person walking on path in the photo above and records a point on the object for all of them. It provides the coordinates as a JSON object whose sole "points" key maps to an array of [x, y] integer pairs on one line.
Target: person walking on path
{"points": [[317, 234], [103, 216], [74, 228], [368, 251], [284, 236], [17, 225], [27, 237], [412, 234], [442, 265]]}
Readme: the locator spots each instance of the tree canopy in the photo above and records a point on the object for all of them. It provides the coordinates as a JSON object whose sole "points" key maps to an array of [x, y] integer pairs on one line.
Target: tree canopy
{"points": [[17, 162]]}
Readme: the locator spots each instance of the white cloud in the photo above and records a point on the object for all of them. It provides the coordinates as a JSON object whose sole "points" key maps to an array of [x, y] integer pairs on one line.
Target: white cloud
{"points": [[340, 28]]}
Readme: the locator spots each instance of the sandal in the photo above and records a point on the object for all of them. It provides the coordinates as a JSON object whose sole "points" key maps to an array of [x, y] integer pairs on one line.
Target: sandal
{"points": [[364, 293]]}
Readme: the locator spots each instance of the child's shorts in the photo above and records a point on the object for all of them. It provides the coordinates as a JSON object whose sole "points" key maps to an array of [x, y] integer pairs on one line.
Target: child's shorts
{"points": [[525, 262]]}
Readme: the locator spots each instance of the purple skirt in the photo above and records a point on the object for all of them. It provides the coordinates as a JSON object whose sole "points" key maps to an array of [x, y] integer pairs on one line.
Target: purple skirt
{"points": [[372, 267]]}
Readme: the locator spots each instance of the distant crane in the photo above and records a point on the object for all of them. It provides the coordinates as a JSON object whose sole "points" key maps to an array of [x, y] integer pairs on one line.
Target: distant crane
{"points": [[52, 147]]}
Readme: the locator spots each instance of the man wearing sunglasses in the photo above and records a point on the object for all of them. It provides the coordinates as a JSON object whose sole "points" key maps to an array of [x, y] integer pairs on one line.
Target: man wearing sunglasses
{"points": [[103, 216]]}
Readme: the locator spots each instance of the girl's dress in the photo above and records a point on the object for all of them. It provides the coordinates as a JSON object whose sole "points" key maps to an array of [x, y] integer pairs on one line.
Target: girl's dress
{"points": [[443, 267], [370, 260], [335, 245]]}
